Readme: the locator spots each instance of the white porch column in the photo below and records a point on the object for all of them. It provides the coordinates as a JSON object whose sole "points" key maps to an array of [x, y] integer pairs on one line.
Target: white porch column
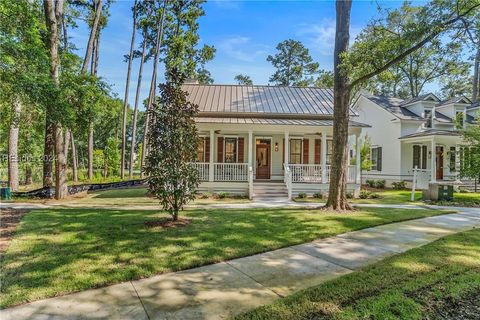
{"points": [[433, 162], [457, 163], [212, 154], [324, 157], [250, 149], [358, 161], [286, 147]]}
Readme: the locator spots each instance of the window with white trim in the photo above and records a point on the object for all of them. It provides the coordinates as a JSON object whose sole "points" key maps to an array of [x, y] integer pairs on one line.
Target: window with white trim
{"points": [[295, 151], [231, 147], [376, 158], [419, 157]]}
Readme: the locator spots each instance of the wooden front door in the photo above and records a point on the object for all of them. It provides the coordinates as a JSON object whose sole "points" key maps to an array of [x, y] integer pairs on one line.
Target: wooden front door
{"points": [[439, 162], [263, 160]]}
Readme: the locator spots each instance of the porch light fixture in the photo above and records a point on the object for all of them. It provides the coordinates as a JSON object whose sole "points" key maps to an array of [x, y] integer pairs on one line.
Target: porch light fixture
{"points": [[276, 146]]}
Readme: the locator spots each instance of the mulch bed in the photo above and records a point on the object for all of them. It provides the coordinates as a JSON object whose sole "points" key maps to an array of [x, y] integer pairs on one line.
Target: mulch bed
{"points": [[167, 223], [9, 220]]}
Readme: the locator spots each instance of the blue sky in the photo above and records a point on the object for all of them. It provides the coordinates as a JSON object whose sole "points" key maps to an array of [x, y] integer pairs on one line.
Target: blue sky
{"points": [[243, 32]]}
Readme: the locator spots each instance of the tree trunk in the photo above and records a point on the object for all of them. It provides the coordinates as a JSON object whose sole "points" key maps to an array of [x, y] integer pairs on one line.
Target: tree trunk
{"points": [[74, 158], [13, 145], [151, 97], [53, 20], [127, 87], [93, 34], [90, 151], [48, 151], [135, 110], [476, 76], [28, 175], [337, 199]]}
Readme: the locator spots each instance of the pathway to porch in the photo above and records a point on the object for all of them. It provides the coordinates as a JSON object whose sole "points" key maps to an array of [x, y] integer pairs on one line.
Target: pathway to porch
{"points": [[224, 289]]}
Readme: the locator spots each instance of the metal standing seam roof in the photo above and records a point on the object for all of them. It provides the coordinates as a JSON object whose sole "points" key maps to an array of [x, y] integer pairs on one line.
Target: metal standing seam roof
{"points": [[271, 100], [268, 121]]}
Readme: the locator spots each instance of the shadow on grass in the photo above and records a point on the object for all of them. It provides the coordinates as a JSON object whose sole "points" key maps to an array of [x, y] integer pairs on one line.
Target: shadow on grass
{"points": [[58, 251]]}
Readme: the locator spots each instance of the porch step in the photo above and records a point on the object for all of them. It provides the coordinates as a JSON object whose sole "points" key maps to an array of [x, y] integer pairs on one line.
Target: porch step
{"points": [[269, 190]]}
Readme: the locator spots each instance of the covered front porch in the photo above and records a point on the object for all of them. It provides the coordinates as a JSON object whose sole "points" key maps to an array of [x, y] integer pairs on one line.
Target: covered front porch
{"points": [[233, 156], [437, 156]]}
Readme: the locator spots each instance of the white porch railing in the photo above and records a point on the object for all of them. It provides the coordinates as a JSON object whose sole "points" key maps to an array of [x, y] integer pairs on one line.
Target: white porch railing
{"points": [[307, 173], [250, 183], [230, 171], [203, 169]]}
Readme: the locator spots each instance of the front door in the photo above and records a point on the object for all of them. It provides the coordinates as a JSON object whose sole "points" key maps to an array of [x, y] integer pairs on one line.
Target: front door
{"points": [[263, 159], [439, 161]]}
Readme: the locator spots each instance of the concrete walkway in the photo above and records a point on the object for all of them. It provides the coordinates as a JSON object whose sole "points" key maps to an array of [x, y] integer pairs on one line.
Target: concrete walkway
{"points": [[226, 289]]}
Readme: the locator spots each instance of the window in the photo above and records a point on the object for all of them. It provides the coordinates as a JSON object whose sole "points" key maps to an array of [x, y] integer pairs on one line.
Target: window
{"points": [[376, 157], [420, 157], [453, 159], [428, 117], [295, 151], [201, 150], [230, 150], [459, 120], [329, 151]]}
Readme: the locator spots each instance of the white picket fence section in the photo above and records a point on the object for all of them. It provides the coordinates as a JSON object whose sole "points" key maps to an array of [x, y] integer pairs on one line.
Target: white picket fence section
{"points": [[230, 171]]}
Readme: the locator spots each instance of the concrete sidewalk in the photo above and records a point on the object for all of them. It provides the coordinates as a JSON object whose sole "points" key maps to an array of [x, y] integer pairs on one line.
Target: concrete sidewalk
{"points": [[226, 289]]}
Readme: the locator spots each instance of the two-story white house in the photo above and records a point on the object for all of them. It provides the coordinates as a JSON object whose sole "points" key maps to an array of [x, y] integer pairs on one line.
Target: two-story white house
{"points": [[420, 132]]}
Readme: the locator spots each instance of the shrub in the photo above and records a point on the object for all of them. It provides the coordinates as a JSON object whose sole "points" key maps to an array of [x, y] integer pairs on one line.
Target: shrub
{"points": [[240, 196], [222, 195], [380, 184], [400, 185], [374, 196], [205, 195], [349, 195], [364, 194], [371, 183], [302, 195], [317, 195]]}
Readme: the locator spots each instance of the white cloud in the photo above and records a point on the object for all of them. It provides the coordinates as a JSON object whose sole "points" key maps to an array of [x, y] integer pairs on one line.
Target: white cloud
{"points": [[321, 37], [240, 48]]}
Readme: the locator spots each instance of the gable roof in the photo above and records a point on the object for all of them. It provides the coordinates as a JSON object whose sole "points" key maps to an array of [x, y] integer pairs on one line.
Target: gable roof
{"points": [[422, 97], [394, 106], [261, 101], [460, 99]]}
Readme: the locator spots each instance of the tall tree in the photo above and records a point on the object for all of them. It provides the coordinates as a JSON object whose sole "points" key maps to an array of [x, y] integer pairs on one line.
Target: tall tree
{"points": [[127, 88], [293, 63], [137, 94], [324, 79], [243, 79], [13, 146], [53, 20], [377, 49]]}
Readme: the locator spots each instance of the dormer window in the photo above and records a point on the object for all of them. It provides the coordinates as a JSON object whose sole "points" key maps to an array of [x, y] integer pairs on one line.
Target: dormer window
{"points": [[428, 118], [459, 123]]}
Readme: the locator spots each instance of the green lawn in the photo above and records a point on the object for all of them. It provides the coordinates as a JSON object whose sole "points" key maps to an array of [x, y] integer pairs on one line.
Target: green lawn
{"points": [[438, 281], [57, 251], [389, 196]]}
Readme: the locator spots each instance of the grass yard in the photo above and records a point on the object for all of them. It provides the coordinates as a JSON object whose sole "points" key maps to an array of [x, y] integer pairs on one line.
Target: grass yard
{"points": [[438, 281], [58, 251]]}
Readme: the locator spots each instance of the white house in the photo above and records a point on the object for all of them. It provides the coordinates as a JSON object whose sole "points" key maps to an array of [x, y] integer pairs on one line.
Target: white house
{"points": [[267, 140], [420, 132]]}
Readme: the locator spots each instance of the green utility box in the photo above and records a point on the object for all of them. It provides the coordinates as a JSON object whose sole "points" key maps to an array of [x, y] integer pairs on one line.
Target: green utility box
{"points": [[5, 193], [445, 192], [438, 191]]}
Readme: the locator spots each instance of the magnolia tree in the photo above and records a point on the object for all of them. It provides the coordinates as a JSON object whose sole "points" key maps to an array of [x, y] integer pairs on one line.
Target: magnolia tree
{"points": [[470, 156], [172, 142]]}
